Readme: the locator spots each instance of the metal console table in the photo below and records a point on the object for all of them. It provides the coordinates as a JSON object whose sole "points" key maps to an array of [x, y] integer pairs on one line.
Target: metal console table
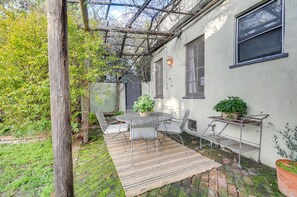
{"points": [[235, 144]]}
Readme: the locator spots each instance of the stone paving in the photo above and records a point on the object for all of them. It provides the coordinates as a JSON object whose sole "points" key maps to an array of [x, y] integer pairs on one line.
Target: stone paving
{"points": [[95, 175]]}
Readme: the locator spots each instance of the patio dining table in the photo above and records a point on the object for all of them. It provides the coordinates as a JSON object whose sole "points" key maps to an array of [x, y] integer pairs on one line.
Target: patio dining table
{"points": [[161, 116]]}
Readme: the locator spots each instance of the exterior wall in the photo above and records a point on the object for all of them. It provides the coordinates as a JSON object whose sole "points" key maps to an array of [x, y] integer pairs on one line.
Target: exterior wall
{"points": [[102, 97], [268, 87]]}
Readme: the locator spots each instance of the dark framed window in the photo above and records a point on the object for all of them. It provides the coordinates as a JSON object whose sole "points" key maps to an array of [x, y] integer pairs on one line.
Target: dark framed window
{"points": [[195, 69], [159, 78], [260, 32]]}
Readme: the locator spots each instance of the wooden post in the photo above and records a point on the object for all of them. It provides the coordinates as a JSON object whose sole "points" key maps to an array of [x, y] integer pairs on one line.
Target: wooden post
{"points": [[86, 84], [60, 97]]}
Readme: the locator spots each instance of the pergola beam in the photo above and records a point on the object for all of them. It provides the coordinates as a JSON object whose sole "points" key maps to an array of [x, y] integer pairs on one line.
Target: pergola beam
{"points": [[135, 31], [84, 14], [151, 24], [110, 35], [105, 20], [135, 54], [186, 20], [129, 25], [135, 6]]}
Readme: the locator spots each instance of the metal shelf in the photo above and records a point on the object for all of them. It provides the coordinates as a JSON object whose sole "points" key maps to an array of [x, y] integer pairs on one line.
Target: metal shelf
{"points": [[231, 143], [235, 144]]}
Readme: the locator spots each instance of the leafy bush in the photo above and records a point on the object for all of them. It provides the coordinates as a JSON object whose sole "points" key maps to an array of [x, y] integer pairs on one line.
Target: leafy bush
{"points": [[231, 105], [92, 119], [289, 135], [143, 104], [24, 80]]}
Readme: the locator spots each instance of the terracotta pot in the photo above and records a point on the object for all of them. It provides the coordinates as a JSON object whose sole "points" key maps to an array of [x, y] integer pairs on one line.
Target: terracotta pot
{"points": [[229, 116], [287, 181], [143, 114]]}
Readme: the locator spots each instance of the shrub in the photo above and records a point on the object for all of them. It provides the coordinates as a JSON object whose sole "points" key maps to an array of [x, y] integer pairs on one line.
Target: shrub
{"points": [[92, 119], [289, 135], [231, 105]]}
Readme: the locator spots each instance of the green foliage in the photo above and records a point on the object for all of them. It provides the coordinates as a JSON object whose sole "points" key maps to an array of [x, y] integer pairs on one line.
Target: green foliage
{"points": [[231, 105], [26, 169], [24, 80], [143, 104], [117, 113], [92, 119], [290, 166], [289, 136]]}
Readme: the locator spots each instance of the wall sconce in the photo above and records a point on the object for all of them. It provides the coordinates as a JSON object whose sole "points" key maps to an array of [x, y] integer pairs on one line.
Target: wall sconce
{"points": [[169, 60]]}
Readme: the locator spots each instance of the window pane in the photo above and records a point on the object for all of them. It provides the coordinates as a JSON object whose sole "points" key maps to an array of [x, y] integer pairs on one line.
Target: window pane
{"points": [[200, 73], [192, 87], [264, 45], [159, 78], [200, 88], [257, 22], [194, 65]]}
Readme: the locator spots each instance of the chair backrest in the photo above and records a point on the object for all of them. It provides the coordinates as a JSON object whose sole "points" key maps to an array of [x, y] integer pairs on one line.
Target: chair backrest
{"points": [[143, 123], [185, 118], [102, 121]]}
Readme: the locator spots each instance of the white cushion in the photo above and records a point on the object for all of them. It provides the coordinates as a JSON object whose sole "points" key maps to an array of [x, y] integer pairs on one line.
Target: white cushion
{"points": [[143, 133], [116, 128], [170, 128]]}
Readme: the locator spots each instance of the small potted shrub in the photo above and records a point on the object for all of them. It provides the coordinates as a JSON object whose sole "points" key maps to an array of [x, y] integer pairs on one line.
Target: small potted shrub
{"points": [[232, 107], [143, 105], [286, 169]]}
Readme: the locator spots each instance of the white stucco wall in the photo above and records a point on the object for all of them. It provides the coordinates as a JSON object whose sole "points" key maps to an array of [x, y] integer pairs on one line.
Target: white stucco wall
{"points": [[268, 87], [102, 97]]}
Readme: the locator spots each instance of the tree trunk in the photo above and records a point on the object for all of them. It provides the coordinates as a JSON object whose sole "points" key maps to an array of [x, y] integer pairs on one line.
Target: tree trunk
{"points": [[117, 99], [60, 97], [86, 112]]}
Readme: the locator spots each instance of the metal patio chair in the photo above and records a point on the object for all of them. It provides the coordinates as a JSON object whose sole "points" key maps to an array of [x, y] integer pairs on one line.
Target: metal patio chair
{"points": [[174, 127], [109, 129], [144, 128]]}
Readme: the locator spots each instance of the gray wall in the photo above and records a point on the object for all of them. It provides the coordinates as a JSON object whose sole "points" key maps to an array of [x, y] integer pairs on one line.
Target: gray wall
{"points": [[102, 97]]}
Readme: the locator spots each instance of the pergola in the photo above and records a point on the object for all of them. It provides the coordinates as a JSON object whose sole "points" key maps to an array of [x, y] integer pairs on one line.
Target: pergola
{"points": [[134, 28]]}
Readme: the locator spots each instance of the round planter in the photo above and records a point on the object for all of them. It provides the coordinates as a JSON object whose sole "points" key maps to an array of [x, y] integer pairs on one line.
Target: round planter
{"points": [[229, 116], [143, 114], [287, 181]]}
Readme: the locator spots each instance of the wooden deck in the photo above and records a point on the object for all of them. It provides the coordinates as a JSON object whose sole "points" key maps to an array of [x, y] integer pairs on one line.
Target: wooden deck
{"points": [[176, 163]]}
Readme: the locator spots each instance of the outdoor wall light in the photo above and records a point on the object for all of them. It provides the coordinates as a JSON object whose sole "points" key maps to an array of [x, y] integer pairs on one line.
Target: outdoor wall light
{"points": [[169, 60]]}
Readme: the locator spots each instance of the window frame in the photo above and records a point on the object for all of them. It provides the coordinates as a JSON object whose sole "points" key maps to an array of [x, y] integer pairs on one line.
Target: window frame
{"points": [[197, 95], [267, 57], [159, 81]]}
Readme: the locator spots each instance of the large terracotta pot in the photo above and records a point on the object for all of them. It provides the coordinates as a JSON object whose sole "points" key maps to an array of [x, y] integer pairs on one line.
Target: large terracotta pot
{"points": [[287, 181], [229, 116]]}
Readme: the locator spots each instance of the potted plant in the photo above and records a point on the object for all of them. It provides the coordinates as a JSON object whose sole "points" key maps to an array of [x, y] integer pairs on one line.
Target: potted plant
{"points": [[143, 105], [286, 169], [232, 107]]}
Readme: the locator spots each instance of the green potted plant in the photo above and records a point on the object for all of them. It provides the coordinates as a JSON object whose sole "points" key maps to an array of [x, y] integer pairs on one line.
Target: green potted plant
{"points": [[232, 107], [286, 169], [143, 105]]}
